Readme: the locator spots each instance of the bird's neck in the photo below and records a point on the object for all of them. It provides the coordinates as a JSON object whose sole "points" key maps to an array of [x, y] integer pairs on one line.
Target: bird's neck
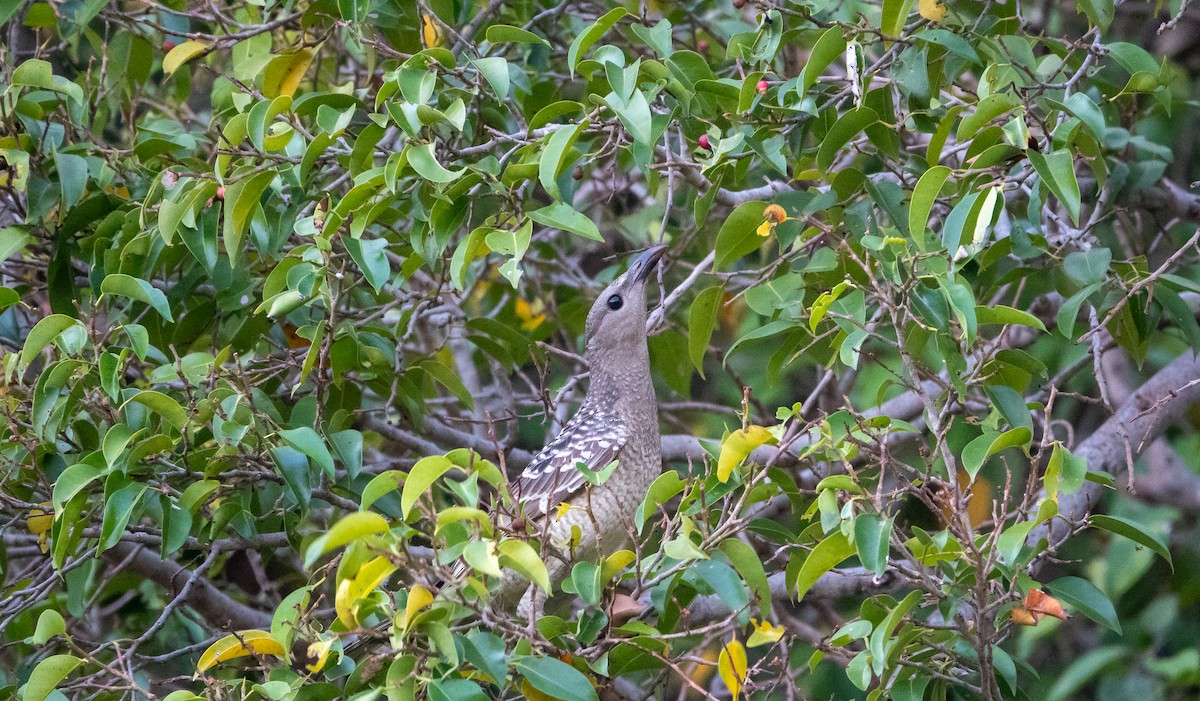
{"points": [[621, 377]]}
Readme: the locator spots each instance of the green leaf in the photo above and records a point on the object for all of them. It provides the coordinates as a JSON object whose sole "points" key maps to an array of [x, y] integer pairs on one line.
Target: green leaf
{"points": [[872, 535], [136, 289], [494, 70], [486, 652], [43, 334], [979, 450], [850, 125], [1088, 267], [309, 442], [241, 199], [1099, 12], [49, 625], [1083, 596], [161, 404], [451, 689], [421, 478], [371, 257], [750, 567], [181, 54], [72, 481], [521, 557], [829, 553], [1057, 171], [556, 679], [665, 487], [1083, 669], [1135, 532], [47, 675], [1001, 314], [554, 156], [583, 42], [585, 579], [350, 527], [829, 47], [895, 15], [923, 198], [738, 235], [505, 33], [702, 320], [560, 215], [423, 160]]}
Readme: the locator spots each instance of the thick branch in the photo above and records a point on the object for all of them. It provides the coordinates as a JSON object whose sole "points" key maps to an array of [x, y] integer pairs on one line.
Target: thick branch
{"points": [[1121, 439], [220, 611]]}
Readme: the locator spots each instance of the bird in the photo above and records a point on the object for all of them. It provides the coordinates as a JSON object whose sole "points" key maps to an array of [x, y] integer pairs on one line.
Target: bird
{"points": [[586, 514]]}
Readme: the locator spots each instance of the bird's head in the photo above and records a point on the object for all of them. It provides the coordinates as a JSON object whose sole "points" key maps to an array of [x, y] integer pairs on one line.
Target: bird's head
{"points": [[617, 321]]}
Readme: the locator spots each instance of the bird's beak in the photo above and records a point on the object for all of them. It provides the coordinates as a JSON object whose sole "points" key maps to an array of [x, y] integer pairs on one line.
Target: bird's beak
{"points": [[640, 270]]}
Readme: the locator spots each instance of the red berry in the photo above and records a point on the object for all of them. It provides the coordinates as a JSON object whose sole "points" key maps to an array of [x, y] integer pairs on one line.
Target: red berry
{"points": [[762, 86], [739, 4], [168, 45], [705, 143], [702, 45], [221, 192]]}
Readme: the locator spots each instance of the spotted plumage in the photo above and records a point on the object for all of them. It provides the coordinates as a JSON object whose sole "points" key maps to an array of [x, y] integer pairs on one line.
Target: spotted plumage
{"points": [[593, 437]]}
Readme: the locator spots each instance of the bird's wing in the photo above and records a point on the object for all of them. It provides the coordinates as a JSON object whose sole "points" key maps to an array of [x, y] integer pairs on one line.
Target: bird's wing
{"points": [[591, 437]]}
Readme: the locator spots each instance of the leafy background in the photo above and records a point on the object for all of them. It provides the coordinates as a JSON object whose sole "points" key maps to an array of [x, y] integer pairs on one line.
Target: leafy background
{"points": [[291, 287]]}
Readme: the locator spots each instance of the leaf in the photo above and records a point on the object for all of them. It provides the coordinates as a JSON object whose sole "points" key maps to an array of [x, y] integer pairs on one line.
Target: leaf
{"points": [[181, 54], [139, 290], [738, 446], [554, 155], [243, 644], [421, 478], [418, 598], [494, 70], [524, 559], [872, 535], [829, 47], [283, 75], [309, 442], [359, 524], [1083, 596], [43, 334], [737, 236], [505, 33], [560, 215], [895, 14], [850, 125], [583, 42], [1135, 532], [1099, 12], [750, 567], [979, 450], [161, 404], [1057, 171], [1088, 267], [365, 580], [829, 553], [49, 625], [702, 320], [923, 198], [932, 10], [556, 678], [665, 487], [241, 199], [1001, 314], [423, 160], [764, 633], [455, 690], [47, 675], [731, 664]]}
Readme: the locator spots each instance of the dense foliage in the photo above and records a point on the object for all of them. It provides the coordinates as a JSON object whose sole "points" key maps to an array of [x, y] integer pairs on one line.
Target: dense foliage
{"points": [[291, 288]]}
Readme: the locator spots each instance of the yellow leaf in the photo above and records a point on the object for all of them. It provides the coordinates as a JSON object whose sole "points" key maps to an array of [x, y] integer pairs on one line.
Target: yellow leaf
{"points": [[931, 10], [418, 599], [765, 229], [352, 589], [284, 73], [521, 557], [39, 520], [181, 54], [732, 667], [738, 446], [613, 564], [431, 32], [319, 653], [247, 642], [531, 315], [764, 633], [561, 510]]}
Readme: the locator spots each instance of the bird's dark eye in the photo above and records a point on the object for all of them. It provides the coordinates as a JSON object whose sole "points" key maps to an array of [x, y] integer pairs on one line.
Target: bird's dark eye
{"points": [[615, 302]]}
